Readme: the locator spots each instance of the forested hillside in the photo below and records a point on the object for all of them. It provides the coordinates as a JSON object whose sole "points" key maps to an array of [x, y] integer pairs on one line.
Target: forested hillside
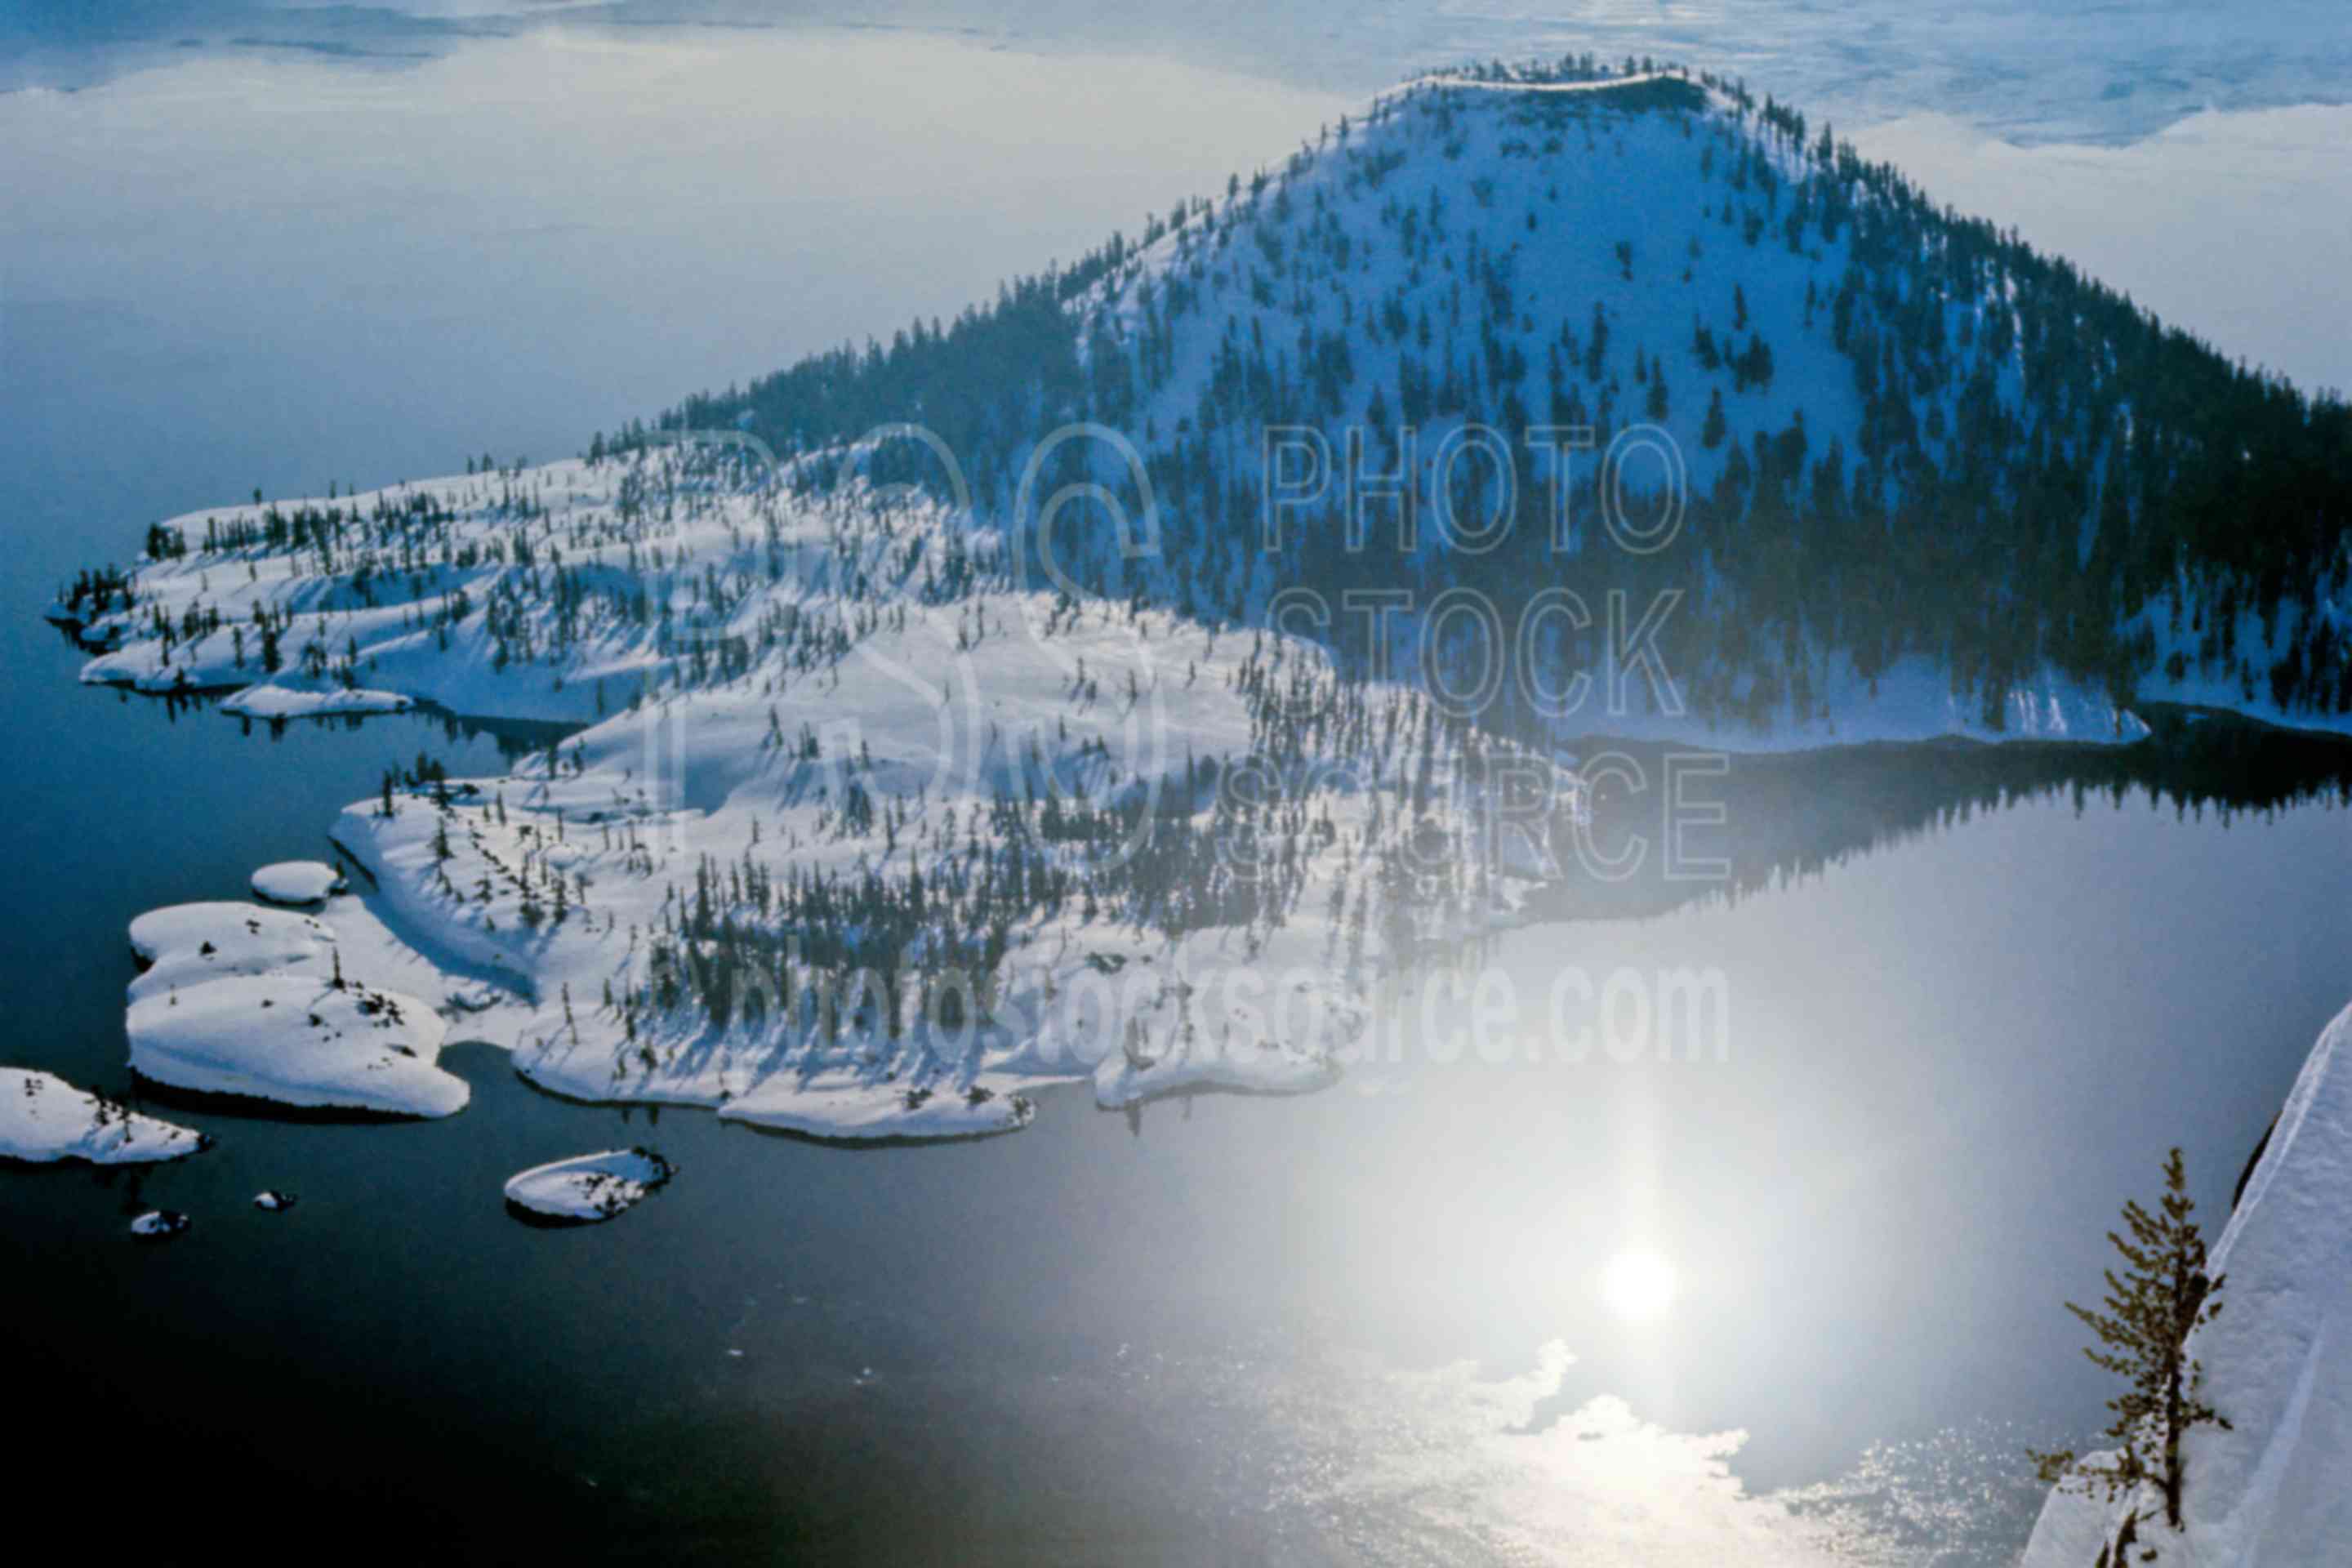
{"points": [[1911, 440]]}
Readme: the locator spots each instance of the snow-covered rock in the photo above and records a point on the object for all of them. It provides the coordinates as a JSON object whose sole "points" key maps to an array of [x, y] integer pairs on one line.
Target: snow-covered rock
{"points": [[2272, 1490], [302, 882], [274, 1202], [155, 1225], [297, 1041], [590, 1187], [44, 1118]]}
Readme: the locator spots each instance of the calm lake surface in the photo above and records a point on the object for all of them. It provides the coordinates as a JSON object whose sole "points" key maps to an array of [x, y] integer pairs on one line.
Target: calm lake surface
{"points": [[1970, 996]]}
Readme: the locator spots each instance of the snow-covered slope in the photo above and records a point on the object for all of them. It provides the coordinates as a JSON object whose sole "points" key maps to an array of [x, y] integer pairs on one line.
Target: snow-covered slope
{"points": [[1831, 365], [1936, 481], [2271, 1491]]}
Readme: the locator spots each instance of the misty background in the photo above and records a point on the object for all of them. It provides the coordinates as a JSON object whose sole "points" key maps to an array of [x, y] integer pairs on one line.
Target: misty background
{"points": [[2028, 69]]}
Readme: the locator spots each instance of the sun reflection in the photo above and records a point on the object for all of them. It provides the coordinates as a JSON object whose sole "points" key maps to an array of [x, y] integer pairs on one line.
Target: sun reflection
{"points": [[1639, 1285]]}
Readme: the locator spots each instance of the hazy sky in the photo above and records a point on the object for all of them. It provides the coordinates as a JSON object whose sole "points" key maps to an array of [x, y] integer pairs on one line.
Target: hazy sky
{"points": [[2029, 70]]}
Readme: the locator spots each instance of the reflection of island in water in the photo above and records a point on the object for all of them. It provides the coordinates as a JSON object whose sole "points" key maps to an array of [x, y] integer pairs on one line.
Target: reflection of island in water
{"points": [[1778, 817], [515, 739], [1786, 818]]}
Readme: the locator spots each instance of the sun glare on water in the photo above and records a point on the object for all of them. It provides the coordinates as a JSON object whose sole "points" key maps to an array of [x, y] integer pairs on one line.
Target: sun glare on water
{"points": [[1639, 1285]]}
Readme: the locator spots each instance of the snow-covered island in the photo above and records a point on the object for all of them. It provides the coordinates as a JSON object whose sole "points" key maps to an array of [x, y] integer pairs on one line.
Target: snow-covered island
{"points": [[917, 768], [590, 1188], [297, 1041], [44, 1118], [869, 840], [300, 883]]}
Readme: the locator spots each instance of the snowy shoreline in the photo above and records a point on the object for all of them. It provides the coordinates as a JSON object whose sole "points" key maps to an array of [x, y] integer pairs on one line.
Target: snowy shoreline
{"points": [[2048, 711]]}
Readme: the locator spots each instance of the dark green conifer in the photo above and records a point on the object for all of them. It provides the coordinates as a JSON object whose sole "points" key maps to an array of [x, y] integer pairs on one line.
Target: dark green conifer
{"points": [[2162, 1294]]}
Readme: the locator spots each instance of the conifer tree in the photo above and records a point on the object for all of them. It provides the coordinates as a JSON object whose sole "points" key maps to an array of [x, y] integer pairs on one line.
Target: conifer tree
{"points": [[2163, 1293], [1711, 434]]}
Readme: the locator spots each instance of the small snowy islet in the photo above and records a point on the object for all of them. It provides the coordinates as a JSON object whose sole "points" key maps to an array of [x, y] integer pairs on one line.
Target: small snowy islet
{"points": [[44, 1118], [301, 883], [590, 1188]]}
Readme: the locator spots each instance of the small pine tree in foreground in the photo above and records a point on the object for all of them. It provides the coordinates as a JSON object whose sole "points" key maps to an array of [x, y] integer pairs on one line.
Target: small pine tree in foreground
{"points": [[2161, 1295]]}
